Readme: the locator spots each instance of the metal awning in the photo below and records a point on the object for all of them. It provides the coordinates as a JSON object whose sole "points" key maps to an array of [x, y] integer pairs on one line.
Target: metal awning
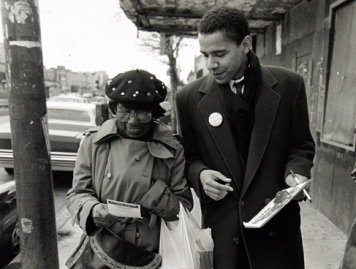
{"points": [[180, 17]]}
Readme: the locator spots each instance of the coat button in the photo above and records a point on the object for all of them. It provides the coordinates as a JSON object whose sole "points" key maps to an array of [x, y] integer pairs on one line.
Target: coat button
{"points": [[108, 175], [242, 203], [235, 240], [267, 200], [137, 235], [137, 158], [272, 234]]}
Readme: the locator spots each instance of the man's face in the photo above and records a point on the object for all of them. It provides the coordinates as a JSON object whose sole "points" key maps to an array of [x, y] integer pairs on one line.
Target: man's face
{"points": [[224, 59]]}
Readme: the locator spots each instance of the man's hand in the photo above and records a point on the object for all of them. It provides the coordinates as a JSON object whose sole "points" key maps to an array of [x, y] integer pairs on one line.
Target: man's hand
{"points": [[101, 216], [292, 183], [212, 188]]}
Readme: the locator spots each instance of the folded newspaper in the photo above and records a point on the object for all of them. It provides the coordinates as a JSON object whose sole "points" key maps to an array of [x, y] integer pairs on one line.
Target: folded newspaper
{"points": [[282, 198]]}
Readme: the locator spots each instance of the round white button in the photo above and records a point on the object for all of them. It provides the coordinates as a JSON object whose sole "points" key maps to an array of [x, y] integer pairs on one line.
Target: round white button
{"points": [[215, 119]]}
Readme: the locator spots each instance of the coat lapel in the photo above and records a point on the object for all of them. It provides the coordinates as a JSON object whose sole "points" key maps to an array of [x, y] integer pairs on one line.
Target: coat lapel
{"points": [[265, 113], [221, 134]]}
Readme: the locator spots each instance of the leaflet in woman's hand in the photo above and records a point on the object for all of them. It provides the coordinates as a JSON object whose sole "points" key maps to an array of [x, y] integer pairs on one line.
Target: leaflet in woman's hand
{"points": [[124, 210]]}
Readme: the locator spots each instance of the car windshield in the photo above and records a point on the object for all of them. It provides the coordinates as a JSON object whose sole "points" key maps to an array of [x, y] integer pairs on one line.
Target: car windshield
{"points": [[69, 115]]}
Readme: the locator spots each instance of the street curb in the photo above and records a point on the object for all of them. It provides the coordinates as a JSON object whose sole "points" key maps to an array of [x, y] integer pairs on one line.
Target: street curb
{"points": [[62, 217]]}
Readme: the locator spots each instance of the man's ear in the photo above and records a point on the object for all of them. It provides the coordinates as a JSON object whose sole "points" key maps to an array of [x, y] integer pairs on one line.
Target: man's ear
{"points": [[247, 43]]}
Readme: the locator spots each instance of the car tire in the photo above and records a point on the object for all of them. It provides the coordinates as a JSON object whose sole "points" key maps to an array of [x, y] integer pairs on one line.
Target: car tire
{"points": [[15, 240], [10, 171]]}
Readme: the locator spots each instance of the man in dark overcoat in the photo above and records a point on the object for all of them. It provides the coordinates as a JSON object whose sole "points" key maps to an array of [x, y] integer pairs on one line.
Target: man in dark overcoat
{"points": [[244, 127]]}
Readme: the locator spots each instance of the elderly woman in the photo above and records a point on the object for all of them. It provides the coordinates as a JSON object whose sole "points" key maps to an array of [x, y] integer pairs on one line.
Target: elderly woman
{"points": [[134, 159]]}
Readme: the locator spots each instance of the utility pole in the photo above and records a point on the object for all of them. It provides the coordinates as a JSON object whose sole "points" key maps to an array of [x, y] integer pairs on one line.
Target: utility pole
{"points": [[30, 143]]}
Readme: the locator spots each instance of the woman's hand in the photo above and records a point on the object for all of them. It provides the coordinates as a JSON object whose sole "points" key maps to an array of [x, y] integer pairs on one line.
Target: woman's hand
{"points": [[101, 216]]}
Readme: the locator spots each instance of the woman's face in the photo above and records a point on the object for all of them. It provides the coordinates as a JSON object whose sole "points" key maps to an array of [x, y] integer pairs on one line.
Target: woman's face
{"points": [[134, 123]]}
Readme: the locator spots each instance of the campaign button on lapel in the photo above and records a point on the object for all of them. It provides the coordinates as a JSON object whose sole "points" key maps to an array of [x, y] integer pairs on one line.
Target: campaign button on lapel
{"points": [[215, 119]]}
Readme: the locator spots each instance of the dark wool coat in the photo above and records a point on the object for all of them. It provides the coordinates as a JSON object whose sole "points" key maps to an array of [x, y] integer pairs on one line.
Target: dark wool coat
{"points": [[280, 141]]}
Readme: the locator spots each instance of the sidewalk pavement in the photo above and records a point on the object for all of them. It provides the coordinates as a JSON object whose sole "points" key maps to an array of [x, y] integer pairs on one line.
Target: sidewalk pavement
{"points": [[324, 243]]}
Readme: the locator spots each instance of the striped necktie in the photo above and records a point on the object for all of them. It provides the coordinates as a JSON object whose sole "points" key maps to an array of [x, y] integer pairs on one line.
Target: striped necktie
{"points": [[238, 87]]}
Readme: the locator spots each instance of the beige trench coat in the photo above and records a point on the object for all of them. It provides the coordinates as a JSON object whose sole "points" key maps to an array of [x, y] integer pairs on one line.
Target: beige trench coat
{"points": [[147, 173]]}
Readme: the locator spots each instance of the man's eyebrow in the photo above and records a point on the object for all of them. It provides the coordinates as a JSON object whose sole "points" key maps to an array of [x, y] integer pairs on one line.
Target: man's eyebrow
{"points": [[215, 51]]}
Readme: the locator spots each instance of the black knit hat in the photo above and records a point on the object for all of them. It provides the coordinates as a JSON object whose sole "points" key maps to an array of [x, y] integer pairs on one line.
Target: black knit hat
{"points": [[136, 88]]}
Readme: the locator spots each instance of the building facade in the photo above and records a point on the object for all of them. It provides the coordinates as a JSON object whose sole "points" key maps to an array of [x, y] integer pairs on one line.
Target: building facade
{"points": [[60, 80], [63, 81], [3, 85]]}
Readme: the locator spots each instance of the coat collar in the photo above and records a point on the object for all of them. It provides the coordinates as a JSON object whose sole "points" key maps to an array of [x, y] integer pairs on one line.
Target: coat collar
{"points": [[266, 110], [220, 134], [161, 133], [268, 80]]}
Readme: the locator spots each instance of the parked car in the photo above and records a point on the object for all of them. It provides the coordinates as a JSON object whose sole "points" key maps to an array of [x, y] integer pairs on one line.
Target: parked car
{"points": [[9, 231], [98, 100], [66, 124], [4, 103], [87, 95], [69, 98]]}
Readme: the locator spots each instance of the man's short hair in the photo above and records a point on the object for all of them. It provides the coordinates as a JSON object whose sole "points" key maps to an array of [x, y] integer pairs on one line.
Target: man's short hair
{"points": [[231, 21]]}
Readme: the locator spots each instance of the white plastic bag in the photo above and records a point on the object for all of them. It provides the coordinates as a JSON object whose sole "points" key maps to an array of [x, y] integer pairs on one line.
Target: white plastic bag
{"points": [[202, 242], [185, 245]]}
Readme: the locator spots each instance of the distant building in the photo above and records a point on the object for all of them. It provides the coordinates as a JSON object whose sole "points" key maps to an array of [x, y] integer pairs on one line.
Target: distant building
{"points": [[200, 69], [3, 86], [199, 66], [60, 80]]}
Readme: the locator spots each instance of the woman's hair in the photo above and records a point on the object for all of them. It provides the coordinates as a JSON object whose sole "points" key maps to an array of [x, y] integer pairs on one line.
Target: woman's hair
{"points": [[231, 21], [157, 110]]}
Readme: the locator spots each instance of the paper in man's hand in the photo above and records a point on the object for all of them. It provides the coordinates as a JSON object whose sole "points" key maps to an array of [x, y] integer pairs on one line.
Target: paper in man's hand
{"points": [[282, 198]]}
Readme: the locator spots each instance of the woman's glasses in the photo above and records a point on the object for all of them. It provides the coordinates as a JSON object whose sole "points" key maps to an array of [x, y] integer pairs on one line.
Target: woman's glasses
{"points": [[142, 117]]}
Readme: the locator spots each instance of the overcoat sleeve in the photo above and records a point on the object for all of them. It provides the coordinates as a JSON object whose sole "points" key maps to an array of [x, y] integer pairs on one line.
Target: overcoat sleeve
{"points": [[301, 144], [82, 197], [165, 194], [194, 163]]}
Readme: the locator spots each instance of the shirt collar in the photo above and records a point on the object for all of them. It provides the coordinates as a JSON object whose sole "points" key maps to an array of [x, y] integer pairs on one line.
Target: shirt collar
{"points": [[231, 82]]}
